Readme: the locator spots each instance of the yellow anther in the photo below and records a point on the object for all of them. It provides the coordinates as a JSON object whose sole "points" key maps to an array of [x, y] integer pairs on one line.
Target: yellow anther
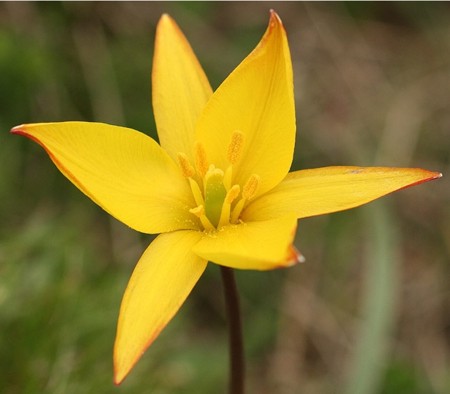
{"points": [[201, 161], [235, 147], [200, 213], [226, 207], [232, 194], [249, 190], [186, 167], [251, 187]]}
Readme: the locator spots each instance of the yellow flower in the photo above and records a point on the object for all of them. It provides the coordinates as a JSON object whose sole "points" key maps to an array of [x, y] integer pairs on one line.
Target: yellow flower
{"points": [[217, 188]]}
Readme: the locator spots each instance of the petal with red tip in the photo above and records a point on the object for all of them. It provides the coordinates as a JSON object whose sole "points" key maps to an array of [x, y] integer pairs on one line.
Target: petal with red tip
{"points": [[257, 100], [124, 171], [260, 245], [330, 189]]}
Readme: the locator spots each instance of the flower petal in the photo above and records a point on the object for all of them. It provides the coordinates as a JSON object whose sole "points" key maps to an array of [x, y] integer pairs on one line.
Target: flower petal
{"points": [[124, 171], [257, 100], [180, 88], [261, 245], [160, 283], [331, 189]]}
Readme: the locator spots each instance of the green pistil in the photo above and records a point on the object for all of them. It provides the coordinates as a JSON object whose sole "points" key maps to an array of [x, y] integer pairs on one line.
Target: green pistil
{"points": [[215, 193]]}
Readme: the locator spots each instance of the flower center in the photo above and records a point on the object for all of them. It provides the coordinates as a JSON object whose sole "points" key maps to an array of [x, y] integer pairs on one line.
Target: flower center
{"points": [[219, 202]]}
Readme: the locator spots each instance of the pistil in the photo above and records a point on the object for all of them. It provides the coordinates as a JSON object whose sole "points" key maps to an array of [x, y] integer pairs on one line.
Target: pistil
{"points": [[215, 194]]}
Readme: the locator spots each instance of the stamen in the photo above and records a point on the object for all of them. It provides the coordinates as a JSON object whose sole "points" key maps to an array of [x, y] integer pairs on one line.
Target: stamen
{"points": [[200, 213], [232, 194], [235, 147], [237, 210], [251, 187], [248, 192], [196, 192], [226, 207], [216, 197], [227, 177], [186, 167], [201, 161]]}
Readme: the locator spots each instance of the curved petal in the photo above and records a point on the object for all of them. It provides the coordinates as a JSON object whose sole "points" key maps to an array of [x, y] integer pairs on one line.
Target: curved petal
{"points": [[257, 100], [124, 171], [261, 245], [331, 189], [180, 88], [160, 283]]}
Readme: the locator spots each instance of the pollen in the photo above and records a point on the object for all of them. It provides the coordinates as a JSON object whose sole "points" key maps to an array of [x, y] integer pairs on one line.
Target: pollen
{"points": [[251, 187], [201, 161], [235, 147], [186, 167], [232, 194]]}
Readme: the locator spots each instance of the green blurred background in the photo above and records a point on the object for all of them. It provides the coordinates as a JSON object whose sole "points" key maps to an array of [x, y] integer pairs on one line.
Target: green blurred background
{"points": [[369, 310]]}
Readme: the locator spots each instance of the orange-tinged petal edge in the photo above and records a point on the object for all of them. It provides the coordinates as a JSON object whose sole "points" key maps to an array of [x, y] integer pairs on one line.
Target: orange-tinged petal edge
{"points": [[324, 190], [160, 283], [262, 245], [257, 101], [124, 171]]}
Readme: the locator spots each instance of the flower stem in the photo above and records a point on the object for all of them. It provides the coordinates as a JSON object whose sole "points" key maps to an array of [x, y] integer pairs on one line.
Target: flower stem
{"points": [[237, 366]]}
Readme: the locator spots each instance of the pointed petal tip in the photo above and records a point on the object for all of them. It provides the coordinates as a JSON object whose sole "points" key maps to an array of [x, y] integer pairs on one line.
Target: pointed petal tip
{"points": [[23, 130], [427, 176], [17, 129], [120, 374], [117, 380], [123, 365], [274, 16], [165, 18], [294, 257], [165, 22], [274, 20]]}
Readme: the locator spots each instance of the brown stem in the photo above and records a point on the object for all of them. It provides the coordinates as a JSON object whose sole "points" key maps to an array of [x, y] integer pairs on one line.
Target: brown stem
{"points": [[237, 367]]}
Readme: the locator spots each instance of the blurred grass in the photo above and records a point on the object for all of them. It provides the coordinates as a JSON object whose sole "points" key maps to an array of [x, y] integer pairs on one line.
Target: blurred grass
{"points": [[372, 83]]}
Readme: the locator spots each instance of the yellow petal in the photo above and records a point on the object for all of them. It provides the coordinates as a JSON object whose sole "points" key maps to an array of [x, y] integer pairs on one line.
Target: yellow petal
{"points": [[124, 171], [256, 245], [161, 281], [256, 100], [180, 88], [330, 189]]}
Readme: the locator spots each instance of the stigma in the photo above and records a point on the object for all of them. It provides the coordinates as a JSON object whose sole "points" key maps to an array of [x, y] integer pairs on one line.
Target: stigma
{"points": [[219, 201]]}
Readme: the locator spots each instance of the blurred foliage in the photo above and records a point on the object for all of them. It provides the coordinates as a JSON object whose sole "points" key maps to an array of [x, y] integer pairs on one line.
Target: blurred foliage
{"points": [[367, 313]]}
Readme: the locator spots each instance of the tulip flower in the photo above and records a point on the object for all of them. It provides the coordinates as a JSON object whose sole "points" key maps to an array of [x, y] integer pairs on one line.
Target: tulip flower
{"points": [[217, 188]]}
